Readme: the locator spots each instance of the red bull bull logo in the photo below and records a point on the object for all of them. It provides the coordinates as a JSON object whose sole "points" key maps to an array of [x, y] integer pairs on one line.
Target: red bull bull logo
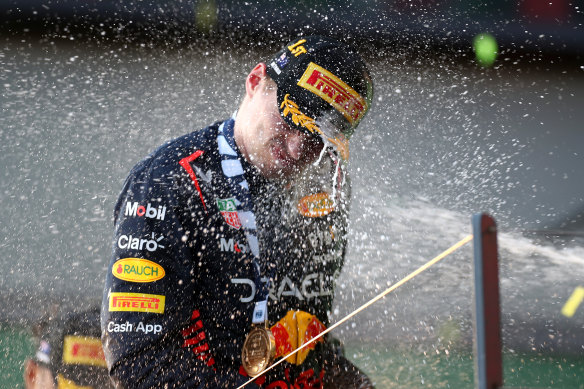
{"points": [[294, 330]]}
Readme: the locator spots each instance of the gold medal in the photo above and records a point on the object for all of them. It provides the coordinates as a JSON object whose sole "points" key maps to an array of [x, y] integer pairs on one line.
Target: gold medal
{"points": [[259, 350]]}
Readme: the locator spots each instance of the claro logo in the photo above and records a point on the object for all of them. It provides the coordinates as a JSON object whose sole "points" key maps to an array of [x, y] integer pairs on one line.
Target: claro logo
{"points": [[135, 209], [129, 242], [137, 270]]}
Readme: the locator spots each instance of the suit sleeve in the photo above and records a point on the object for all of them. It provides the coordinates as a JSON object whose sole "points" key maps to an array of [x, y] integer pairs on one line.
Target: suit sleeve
{"points": [[146, 318]]}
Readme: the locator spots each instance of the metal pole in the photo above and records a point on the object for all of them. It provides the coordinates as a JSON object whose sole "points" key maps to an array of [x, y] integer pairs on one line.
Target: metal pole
{"points": [[487, 345]]}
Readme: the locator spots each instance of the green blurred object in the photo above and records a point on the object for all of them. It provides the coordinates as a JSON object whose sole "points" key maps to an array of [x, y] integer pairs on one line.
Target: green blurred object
{"points": [[206, 16], [440, 367], [15, 346], [486, 49]]}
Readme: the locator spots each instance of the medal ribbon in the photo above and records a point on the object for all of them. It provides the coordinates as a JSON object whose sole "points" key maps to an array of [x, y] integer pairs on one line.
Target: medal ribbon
{"points": [[234, 174]]}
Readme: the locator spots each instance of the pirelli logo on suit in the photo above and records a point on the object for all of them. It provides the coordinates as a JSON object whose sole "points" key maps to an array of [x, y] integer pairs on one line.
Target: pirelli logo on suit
{"points": [[136, 302], [332, 89]]}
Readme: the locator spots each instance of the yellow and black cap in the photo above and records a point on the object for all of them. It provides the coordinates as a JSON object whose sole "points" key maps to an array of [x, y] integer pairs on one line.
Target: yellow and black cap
{"points": [[70, 346], [324, 88]]}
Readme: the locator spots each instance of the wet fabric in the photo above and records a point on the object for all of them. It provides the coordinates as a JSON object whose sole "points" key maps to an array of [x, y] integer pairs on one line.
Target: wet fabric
{"points": [[180, 288]]}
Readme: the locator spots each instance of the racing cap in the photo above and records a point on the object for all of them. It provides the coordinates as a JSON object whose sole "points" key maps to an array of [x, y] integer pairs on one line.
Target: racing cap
{"points": [[70, 346], [324, 88]]}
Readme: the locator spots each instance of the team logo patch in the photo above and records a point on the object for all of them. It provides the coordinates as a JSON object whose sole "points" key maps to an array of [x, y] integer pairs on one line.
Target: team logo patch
{"points": [[332, 89], [294, 330], [82, 350], [136, 302], [316, 205], [228, 210], [137, 270]]}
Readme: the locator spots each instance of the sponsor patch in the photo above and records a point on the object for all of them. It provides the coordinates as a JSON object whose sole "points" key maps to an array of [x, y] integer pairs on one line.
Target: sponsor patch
{"points": [[129, 242], [228, 209], [332, 89], [294, 330], [316, 205], [135, 209], [137, 270], [282, 61], [232, 246], [83, 350], [133, 327], [136, 302], [311, 286]]}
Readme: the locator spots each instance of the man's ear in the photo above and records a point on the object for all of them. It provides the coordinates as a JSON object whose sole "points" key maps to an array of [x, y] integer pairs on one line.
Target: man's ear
{"points": [[254, 77], [30, 373]]}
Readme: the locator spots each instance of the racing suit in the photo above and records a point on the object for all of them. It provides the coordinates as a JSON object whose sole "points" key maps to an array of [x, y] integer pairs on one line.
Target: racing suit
{"points": [[179, 292]]}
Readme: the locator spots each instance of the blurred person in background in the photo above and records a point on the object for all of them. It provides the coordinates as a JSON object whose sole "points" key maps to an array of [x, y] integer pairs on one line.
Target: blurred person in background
{"points": [[228, 240], [69, 354]]}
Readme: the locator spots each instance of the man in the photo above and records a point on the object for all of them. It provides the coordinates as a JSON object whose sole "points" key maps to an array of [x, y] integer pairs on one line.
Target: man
{"points": [[69, 355], [230, 238]]}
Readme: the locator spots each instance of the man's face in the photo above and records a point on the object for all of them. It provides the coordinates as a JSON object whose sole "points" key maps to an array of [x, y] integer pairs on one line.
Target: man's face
{"points": [[271, 145]]}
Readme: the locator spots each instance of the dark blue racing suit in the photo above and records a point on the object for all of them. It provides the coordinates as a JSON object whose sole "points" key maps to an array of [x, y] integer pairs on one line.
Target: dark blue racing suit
{"points": [[179, 293]]}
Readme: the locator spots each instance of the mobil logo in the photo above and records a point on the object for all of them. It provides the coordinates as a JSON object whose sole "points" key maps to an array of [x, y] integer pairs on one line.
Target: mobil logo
{"points": [[151, 243], [232, 246], [137, 270], [136, 209]]}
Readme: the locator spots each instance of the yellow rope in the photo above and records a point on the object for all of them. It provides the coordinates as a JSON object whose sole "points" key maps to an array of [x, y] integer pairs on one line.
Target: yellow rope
{"points": [[413, 274]]}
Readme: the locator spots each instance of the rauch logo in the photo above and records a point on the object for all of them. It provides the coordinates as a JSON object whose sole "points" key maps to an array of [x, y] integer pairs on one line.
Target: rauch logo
{"points": [[137, 270]]}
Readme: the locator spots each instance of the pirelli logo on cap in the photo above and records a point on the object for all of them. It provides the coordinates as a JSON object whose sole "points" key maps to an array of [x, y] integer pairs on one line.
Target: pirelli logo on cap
{"points": [[136, 302], [82, 350], [332, 89]]}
